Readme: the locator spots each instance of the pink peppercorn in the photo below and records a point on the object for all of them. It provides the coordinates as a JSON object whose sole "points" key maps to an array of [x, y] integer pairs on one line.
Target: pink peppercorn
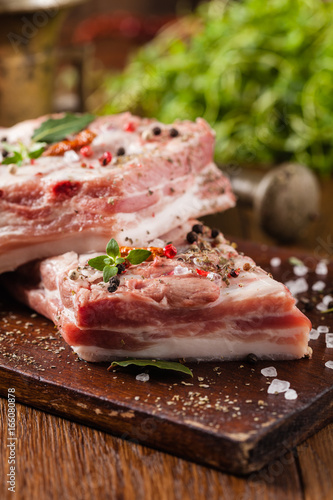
{"points": [[129, 127], [201, 272], [86, 151], [105, 158], [170, 251]]}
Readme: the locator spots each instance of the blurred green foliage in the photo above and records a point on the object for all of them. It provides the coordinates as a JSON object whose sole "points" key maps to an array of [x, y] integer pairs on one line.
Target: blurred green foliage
{"points": [[261, 73]]}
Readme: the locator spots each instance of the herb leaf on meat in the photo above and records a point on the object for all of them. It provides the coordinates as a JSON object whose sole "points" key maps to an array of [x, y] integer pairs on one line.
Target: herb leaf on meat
{"points": [[108, 263], [57, 129]]}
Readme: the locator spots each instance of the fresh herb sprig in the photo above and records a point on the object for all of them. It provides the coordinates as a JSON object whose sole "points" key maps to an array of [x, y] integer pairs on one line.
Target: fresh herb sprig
{"points": [[51, 131], [20, 152], [108, 263]]}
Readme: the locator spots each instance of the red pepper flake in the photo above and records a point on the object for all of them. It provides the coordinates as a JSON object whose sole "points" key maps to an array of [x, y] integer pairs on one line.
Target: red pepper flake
{"points": [[86, 151], [32, 161], [170, 251], [129, 127], [105, 158], [201, 272], [234, 273], [65, 189], [38, 174]]}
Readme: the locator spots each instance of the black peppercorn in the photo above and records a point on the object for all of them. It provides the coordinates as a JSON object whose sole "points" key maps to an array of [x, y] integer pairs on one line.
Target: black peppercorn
{"points": [[114, 282], [198, 228], [215, 232], [121, 268], [233, 273], [192, 237], [121, 151], [4, 153], [173, 132], [251, 359], [157, 130]]}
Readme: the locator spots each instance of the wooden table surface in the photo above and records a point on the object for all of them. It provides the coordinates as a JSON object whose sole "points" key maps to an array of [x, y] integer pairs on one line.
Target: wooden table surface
{"points": [[59, 459]]}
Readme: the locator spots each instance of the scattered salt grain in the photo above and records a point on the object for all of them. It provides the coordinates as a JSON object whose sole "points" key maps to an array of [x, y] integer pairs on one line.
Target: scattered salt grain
{"points": [[323, 329], [70, 156], [327, 299], [278, 386], [180, 270], [275, 262], [321, 306], [321, 268], [214, 277], [314, 334], [297, 286], [142, 377], [318, 286], [329, 364], [329, 340], [300, 270], [291, 394], [269, 372]]}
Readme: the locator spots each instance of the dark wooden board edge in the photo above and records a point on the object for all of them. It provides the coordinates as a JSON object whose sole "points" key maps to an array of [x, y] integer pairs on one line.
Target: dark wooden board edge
{"points": [[232, 454]]}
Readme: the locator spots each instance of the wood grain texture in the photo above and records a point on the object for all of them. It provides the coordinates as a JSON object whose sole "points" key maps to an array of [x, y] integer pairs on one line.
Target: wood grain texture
{"points": [[316, 464], [59, 459], [222, 417]]}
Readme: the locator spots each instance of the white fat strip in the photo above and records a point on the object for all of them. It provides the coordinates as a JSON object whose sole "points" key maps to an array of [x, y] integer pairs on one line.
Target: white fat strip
{"points": [[212, 349]]}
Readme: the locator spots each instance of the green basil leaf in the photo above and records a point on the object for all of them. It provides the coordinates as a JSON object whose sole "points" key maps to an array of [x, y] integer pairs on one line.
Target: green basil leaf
{"points": [[138, 256], [163, 365], [294, 261], [97, 262], [112, 249], [37, 150], [108, 272], [119, 260], [16, 158], [57, 129]]}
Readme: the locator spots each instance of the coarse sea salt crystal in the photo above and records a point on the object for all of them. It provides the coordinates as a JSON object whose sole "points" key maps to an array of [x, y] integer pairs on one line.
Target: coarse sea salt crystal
{"points": [[321, 306], [323, 329], [297, 286], [329, 364], [318, 286], [314, 334], [275, 262], [180, 270], [300, 270], [270, 371], [142, 377], [321, 268], [71, 156], [329, 340], [327, 299], [291, 394], [214, 277], [278, 386]]}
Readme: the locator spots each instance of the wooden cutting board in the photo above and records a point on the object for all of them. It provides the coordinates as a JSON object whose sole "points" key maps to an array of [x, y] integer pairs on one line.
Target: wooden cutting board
{"points": [[223, 417]]}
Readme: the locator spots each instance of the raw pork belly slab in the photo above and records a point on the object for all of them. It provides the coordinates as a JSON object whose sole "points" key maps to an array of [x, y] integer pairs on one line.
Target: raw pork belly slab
{"points": [[209, 302], [70, 202]]}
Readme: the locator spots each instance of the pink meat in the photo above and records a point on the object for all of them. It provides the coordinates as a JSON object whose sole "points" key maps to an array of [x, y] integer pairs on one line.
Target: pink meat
{"points": [[166, 308], [72, 202]]}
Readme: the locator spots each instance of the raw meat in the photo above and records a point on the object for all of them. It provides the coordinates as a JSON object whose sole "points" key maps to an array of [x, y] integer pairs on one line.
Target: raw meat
{"points": [[72, 202], [208, 302]]}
